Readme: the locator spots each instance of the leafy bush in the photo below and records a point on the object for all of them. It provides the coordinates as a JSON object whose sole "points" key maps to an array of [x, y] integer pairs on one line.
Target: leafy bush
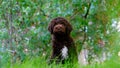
{"points": [[23, 28]]}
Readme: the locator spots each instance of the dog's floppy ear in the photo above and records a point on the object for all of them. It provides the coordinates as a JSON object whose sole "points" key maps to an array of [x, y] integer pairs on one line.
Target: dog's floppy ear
{"points": [[69, 27], [51, 26]]}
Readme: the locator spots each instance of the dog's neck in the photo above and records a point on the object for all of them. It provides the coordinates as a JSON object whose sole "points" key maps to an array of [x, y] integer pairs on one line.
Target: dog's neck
{"points": [[60, 37]]}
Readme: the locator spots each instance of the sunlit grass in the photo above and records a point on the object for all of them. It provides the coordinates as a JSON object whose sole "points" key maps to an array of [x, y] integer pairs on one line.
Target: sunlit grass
{"points": [[40, 62]]}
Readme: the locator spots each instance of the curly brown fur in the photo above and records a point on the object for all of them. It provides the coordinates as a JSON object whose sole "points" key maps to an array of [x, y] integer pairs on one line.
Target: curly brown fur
{"points": [[60, 30]]}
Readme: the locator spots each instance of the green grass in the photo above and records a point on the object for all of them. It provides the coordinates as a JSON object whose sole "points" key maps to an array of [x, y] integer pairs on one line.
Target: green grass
{"points": [[40, 62], [37, 62]]}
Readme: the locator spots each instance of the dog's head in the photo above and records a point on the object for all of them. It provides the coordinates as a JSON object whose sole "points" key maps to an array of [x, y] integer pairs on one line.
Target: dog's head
{"points": [[59, 26]]}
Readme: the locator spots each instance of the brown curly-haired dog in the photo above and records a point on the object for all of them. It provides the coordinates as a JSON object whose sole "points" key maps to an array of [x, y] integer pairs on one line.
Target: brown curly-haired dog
{"points": [[62, 44]]}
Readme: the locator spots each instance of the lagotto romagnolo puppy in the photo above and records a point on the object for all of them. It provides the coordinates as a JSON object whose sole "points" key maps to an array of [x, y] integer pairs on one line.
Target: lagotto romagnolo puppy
{"points": [[63, 47]]}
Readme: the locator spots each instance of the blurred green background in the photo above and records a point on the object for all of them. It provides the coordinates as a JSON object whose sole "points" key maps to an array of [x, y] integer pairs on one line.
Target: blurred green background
{"points": [[26, 42]]}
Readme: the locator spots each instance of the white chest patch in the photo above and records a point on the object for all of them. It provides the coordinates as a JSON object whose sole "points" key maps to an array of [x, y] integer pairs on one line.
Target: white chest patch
{"points": [[64, 51]]}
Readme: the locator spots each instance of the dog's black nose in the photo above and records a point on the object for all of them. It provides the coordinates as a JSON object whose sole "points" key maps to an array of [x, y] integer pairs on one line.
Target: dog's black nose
{"points": [[58, 27]]}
